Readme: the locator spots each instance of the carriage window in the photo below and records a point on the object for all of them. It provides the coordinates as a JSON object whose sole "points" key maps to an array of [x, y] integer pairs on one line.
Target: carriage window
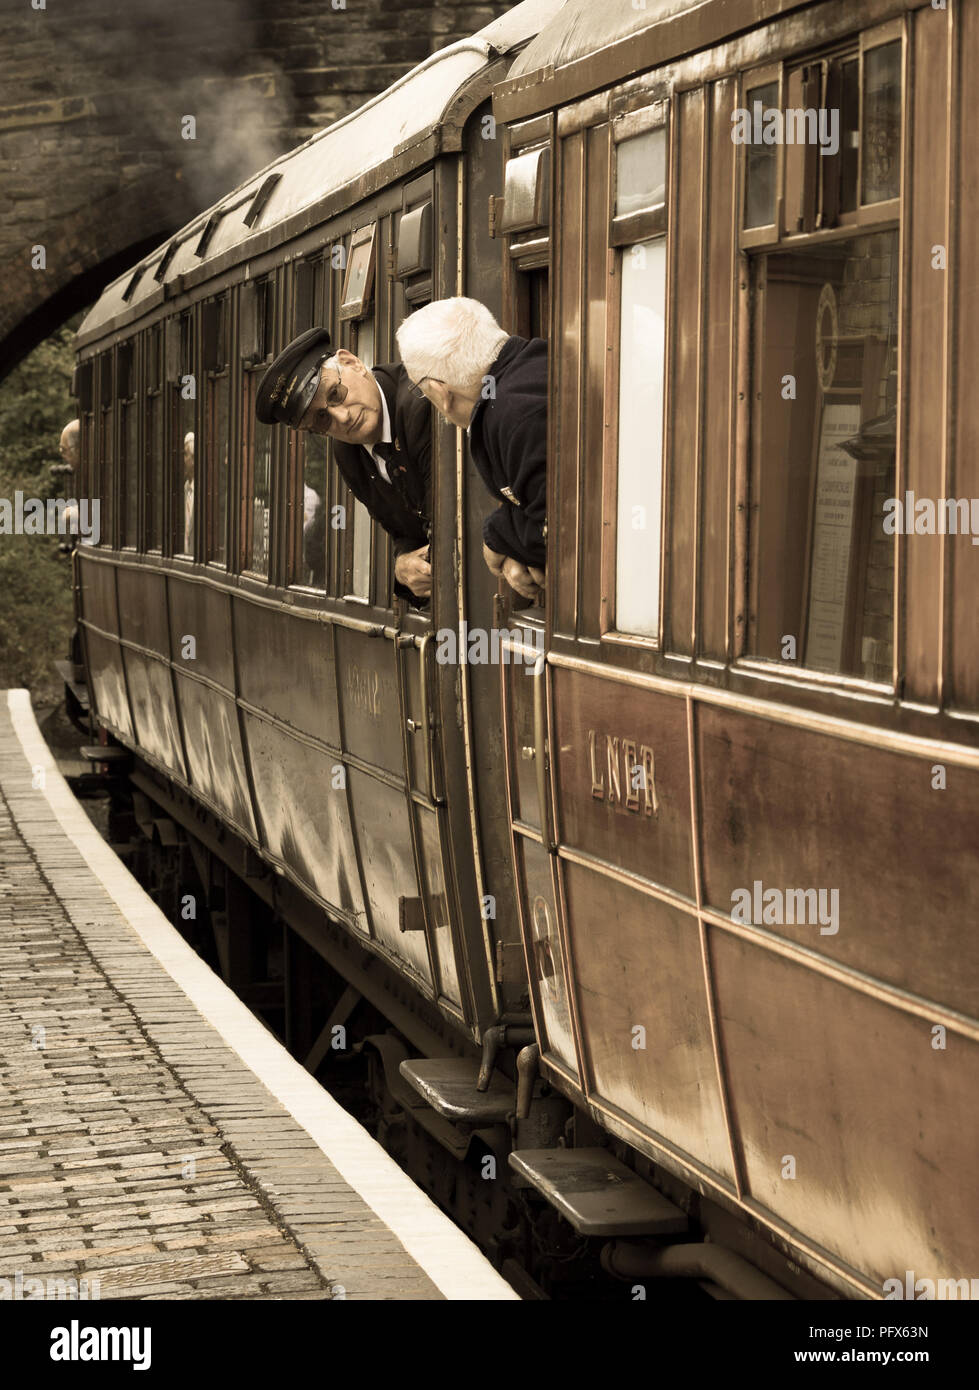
{"points": [[360, 576], [821, 564], [82, 481], [641, 173], [642, 336], [257, 445], [316, 512], [154, 439], [181, 372], [129, 461], [358, 283], [760, 163], [102, 483], [881, 143], [218, 381]]}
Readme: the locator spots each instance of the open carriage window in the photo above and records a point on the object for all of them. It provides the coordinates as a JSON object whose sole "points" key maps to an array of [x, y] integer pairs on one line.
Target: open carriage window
{"points": [[153, 384], [216, 419], [360, 549], [822, 567], [311, 300], [126, 387], [356, 550], [102, 483], [256, 342], [182, 379], [639, 228], [825, 315]]}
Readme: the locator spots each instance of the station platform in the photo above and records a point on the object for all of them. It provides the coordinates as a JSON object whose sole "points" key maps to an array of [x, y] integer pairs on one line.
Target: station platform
{"points": [[155, 1137]]}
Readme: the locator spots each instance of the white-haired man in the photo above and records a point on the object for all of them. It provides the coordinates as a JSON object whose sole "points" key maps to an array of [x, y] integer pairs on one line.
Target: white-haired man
{"points": [[494, 385], [68, 444]]}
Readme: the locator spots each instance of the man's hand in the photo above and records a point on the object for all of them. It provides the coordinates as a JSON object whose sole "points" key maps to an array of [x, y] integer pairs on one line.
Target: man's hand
{"points": [[522, 579], [413, 570], [494, 560]]}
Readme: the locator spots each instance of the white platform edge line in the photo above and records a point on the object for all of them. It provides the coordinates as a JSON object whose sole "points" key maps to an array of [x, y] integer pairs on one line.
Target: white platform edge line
{"points": [[450, 1259]]}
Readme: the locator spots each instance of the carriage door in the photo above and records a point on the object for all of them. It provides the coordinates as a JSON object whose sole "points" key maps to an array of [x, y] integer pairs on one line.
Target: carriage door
{"points": [[523, 217]]}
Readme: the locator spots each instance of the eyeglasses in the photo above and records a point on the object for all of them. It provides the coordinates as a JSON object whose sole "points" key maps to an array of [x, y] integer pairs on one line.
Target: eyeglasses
{"points": [[337, 393], [317, 420], [416, 389]]}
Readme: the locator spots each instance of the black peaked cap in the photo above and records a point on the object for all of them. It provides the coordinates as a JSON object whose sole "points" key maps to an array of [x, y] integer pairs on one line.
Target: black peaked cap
{"points": [[290, 383]]}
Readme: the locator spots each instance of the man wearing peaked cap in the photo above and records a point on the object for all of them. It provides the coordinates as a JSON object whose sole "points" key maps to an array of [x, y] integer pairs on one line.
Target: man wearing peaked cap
{"points": [[382, 435]]}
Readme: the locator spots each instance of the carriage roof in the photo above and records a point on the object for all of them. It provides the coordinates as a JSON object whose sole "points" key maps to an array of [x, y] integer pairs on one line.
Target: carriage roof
{"points": [[331, 160]]}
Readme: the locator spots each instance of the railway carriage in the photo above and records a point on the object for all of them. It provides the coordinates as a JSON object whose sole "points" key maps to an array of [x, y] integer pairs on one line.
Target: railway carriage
{"points": [[673, 910]]}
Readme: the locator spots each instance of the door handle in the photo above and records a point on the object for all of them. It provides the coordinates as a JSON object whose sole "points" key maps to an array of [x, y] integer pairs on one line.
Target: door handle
{"points": [[427, 727], [540, 751]]}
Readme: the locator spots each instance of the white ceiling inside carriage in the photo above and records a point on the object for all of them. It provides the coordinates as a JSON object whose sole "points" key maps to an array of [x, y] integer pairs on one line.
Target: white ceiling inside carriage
{"points": [[336, 156]]}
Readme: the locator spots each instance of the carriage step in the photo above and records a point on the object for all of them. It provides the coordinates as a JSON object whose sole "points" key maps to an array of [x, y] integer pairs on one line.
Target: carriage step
{"points": [[598, 1195], [448, 1085], [97, 753], [75, 681]]}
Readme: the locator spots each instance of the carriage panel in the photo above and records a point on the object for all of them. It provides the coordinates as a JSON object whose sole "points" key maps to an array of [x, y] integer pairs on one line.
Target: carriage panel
{"points": [[854, 1128], [793, 811]]}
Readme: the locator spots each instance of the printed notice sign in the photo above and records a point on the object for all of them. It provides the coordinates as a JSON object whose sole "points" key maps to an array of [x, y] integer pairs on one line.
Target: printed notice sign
{"points": [[832, 537]]}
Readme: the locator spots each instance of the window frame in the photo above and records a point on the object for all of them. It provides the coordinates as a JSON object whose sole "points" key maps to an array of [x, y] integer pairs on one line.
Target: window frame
{"points": [[865, 216], [253, 358], [154, 391], [648, 224], [214, 380], [128, 471]]}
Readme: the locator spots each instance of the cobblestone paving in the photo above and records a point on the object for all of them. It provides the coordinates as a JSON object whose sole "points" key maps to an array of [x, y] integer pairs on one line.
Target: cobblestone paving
{"points": [[141, 1151]]}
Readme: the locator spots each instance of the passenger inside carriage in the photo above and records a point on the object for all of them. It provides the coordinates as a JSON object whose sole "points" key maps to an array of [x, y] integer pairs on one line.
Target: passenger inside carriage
{"points": [[494, 386], [382, 440]]}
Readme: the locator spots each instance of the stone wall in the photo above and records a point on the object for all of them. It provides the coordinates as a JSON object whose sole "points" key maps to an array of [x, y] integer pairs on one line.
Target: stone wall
{"points": [[93, 166]]}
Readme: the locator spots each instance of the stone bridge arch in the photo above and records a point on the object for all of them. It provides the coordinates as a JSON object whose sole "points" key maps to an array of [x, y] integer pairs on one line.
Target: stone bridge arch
{"points": [[95, 166]]}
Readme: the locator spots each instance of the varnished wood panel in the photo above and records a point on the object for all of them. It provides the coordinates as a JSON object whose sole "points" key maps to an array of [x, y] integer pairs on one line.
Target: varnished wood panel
{"points": [[98, 582], [143, 608], [563, 484], [368, 684], [380, 816], [803, 811], [204, 613], [544, 951], [214, 752], [601, 730], [964, 599], [716, 521], [925, 350], [108, 683], [154, 710], [285, 666], [637, 965], [596, 406], [303, 817], [684, 437], [879, 1124]]}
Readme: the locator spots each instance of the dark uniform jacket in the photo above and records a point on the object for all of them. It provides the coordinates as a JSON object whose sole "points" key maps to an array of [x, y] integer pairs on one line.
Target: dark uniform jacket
{"points": [[403, 506], [508, 443]]}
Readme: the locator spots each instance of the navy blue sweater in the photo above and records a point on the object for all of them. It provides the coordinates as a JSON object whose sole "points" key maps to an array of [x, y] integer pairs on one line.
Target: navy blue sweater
{"points": [[508, 442]]}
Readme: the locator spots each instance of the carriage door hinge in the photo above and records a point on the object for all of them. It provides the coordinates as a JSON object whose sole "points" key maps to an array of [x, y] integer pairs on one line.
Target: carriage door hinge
{"points": [[495, 213], [391, 263], [510, 968]]}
